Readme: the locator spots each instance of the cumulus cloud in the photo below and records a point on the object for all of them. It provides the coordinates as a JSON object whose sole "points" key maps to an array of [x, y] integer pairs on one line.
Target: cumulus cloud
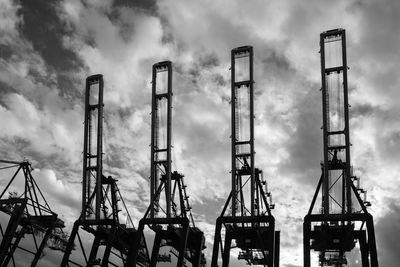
{"points": [[42, 72]]}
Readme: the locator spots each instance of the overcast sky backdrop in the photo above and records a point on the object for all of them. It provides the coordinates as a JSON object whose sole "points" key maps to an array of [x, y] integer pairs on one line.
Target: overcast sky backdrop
{"points": [[48, 48]]}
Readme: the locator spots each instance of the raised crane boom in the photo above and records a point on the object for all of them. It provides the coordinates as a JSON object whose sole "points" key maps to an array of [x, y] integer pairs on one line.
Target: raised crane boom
{"points": [[100, 198], [249, 221], [169, 214], [343, 219]]}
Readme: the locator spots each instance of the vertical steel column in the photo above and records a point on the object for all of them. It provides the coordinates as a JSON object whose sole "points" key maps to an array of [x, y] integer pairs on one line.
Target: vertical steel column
{"points": [[277, 248], [153, 144], [245, 51], [12, 226], [306, 242], [94, 249], [99, 171], [216, 243], [19, 235], [42, 245], [372, 241], [347, 177], [182, 243], [156, 150], [329, 150], [92, 109], [233, 134], [169, 123], [252, 153], [325, 114]]}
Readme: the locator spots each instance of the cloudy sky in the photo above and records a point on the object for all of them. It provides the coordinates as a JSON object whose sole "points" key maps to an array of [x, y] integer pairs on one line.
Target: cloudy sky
{"points": [[48, 48]]}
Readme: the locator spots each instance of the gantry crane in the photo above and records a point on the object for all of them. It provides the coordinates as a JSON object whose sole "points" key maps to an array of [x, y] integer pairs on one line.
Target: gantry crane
{"points": [[343, 218], [248, 220], [100, 196], [169, 214], [30, 218]]}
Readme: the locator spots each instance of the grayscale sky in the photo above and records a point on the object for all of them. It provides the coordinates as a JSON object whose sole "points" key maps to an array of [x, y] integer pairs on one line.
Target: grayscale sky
{"points": [[48, 48]]}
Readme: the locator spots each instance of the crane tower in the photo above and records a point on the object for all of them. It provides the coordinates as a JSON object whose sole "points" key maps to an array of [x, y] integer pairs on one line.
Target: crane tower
{"points": [[169, 214], [30, 218], [249, 220], [343, 218], [101, 199]]}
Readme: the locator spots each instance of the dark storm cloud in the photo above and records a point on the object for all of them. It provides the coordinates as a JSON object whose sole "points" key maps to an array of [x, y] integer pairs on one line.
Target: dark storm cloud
{"points": [[209, 60], [363, 110], [145, 5], [220, 81], [16, 148], [213, 207], [202, 62], [121, 12], [45, 30], [376, 48], [215, 31], [291, 105], [379, 32], [6, 51], [305, 145], [4, 90], [389, 145], [43, 27], [275, 63], [385, 134], [116, 155], [387, 239]]}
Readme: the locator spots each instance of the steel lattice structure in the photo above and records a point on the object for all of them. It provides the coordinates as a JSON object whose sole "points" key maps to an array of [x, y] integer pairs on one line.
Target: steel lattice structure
{"points": [[343, 218], [30, 218], [169, 214], [100, 198], [250, 222]]}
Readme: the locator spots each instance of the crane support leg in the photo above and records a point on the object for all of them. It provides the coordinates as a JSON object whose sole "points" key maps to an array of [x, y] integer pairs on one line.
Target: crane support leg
{"points": [[10, 231]]}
